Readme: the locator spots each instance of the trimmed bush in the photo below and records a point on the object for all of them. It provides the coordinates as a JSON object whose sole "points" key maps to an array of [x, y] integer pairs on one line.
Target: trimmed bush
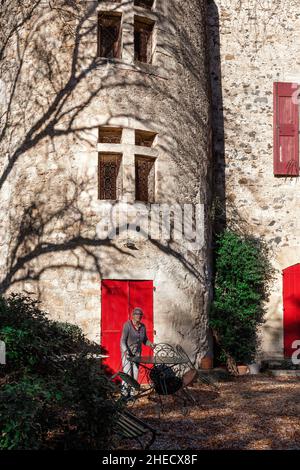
{"points": [[53, 395]]}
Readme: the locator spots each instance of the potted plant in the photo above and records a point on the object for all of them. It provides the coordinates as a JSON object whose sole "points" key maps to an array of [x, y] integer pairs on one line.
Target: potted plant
{"points": [[206, 362]]}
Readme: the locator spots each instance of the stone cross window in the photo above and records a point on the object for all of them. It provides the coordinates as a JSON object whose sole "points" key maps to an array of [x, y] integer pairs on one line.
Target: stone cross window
{"points": [[126, 164]]}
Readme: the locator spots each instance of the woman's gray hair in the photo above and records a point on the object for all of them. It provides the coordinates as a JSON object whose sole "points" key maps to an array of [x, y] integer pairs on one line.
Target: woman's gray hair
{"points": [[137, 310]]}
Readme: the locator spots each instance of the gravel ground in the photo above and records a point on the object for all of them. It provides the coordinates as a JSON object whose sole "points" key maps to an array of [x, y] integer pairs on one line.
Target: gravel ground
{"points": [[251, 412]]}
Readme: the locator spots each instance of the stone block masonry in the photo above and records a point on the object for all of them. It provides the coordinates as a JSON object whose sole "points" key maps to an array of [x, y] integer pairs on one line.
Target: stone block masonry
{"points": [[50, 154], [254, 44]]}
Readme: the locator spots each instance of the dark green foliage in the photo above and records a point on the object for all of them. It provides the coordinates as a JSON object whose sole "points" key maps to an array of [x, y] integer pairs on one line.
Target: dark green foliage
{"points": [[52, 393], [242, 274]]}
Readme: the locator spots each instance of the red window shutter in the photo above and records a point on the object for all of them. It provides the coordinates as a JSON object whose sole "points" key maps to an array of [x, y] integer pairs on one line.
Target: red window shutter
{"points": [[286, 129]]}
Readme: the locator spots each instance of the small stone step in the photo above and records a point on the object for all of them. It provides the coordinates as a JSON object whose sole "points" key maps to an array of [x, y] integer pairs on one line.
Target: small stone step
{"points": [[282, 372], [280, 365]]}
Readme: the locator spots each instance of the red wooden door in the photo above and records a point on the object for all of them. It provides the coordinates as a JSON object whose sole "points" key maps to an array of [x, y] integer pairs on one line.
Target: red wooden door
{"points": [[114, 296], [141, 295], [291, 307], [119, 298]]}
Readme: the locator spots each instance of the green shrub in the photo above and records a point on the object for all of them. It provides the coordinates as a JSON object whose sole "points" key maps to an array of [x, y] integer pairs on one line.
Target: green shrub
{"points": [[31, 337], [22, 409], [241, 287], [52, 394]]}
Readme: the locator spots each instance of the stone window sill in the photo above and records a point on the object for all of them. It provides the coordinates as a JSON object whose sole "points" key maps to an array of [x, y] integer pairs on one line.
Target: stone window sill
{"points": [[140, 67]]}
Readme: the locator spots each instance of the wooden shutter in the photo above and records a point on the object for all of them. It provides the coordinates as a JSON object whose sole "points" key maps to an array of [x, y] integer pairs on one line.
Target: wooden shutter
{"points": [[286, 129]]}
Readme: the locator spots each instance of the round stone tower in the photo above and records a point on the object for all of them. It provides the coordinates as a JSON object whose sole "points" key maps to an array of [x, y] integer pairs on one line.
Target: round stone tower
{"points": [[106, 179]]}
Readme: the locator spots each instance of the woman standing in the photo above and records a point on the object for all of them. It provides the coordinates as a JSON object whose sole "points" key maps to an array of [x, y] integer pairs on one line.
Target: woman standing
{"points": [[134, 335]]}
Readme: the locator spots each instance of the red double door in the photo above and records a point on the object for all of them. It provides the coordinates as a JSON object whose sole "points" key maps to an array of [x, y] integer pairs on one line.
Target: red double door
{"points": [[119, 298], [291, 308]]}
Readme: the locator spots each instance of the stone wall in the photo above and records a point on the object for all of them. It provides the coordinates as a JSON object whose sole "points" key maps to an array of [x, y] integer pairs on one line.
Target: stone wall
{"points": [[63, 93], [254, 44]]}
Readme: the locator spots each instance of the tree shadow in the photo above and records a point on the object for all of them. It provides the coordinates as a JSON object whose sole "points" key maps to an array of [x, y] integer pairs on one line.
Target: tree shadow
{"points": [[249, 413], [219, 185], [50, 78]]}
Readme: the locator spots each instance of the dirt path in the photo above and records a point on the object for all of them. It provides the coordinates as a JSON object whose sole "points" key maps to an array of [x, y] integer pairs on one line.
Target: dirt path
{"points": [[254, 412]]}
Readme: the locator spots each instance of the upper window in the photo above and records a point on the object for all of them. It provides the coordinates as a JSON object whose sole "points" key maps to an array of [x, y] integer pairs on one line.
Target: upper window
{"points": [[286, 129], [144, 4], [143, 39], [110, 135], [109, 36], [144, 138]]}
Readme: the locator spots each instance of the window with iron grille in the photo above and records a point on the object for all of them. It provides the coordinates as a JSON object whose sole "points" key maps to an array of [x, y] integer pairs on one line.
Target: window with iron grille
{"points": [[144, 138], [110, 135], [109, 176], [144, 4], [109, 36], [144, 179], [143, 40]]}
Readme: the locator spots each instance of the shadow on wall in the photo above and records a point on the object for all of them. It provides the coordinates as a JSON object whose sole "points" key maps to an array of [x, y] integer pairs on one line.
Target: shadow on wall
{"points": [[214, 43], [226, 213], [271, 332], [49, 80]]}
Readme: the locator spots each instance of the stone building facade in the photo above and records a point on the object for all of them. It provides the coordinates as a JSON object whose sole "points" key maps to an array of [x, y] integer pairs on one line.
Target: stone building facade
{"points": [[253, 45], [110, 106], [106, 105]]}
